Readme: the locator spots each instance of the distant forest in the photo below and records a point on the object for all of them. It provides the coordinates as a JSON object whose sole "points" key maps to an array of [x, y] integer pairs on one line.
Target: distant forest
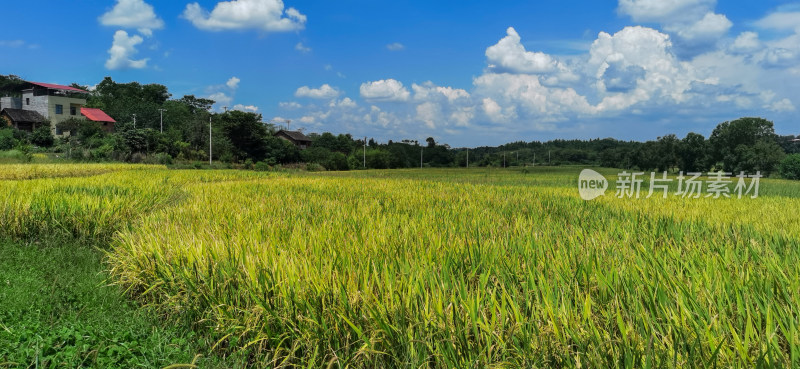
{"points": [[241, 139]]}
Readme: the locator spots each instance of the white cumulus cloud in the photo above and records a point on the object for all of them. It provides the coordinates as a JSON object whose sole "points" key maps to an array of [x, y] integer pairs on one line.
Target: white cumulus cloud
{"points": [[384, 90], [233, 83], [780, 21], [429, 91], [509, 54], [264, 15], [248, 108], [709, 28], [323, 92], [746, 42], [135, 14], [122, 50], [663, 11]]}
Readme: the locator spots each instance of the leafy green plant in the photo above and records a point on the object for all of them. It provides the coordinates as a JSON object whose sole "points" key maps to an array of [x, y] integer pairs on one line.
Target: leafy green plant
{"points": [[790, 167]]}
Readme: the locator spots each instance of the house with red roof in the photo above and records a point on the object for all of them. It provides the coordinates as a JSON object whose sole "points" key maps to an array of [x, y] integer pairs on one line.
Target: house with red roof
{"points": [[50, 102]]}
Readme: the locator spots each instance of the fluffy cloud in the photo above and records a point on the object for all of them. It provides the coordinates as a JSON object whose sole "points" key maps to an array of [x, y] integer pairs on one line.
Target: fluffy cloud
{"points": [[525, 95], [323, 92], [264, 15], [746, 42], [784, 105], [247, 108], [345, 103], [430, 91], [694, 25], [780, 21], [395, 46], [221, 99], [122, 50], [663, 11], [708, 29], [233, 83], [384, 90], [135, 14], [509, 54], [429, 113], [291, 105], [646, 53]]}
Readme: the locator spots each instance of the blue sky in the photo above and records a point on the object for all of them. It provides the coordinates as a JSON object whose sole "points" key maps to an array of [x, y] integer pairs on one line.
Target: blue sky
{"points": [[468, 73]]}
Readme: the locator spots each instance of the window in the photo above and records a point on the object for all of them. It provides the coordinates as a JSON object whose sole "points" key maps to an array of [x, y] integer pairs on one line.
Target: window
{"points": [[27, 101], [59, 109], [72, 110], [58, 131]]}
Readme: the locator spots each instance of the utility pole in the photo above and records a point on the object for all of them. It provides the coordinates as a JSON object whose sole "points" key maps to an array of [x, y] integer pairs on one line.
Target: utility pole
{"points": [[365, 152], [209, 140], [517, 157], [288, 124], [134, 121], [504, 159], [467, 158], [225, 108], [548, 157], [162, 119]]}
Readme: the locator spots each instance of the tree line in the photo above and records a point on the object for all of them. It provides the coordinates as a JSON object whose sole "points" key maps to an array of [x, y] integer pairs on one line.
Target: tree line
{"points": [[243, 139]]}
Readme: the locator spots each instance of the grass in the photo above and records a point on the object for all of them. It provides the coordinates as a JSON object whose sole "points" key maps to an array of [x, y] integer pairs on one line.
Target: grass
{"points": [[438, 268], [59, 310]]}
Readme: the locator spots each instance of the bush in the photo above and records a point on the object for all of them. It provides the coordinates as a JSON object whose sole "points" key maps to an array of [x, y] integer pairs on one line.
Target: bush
{"points": [[163, 158], [42, 137], [336, 161], [262, 166], [15, 156], [790, 167], [314, 167], [7, 140]]}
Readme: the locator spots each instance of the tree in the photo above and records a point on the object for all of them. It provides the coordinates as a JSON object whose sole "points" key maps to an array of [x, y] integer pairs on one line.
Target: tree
{"points": [[745, 144], [42, 136], [7, 140], [667, 151], [431, 142], [790, 167], [246, 134], [693, 152]]}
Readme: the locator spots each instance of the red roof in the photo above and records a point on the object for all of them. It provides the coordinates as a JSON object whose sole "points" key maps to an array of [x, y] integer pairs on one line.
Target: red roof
{"points": [[96, 115], [56, 87]]}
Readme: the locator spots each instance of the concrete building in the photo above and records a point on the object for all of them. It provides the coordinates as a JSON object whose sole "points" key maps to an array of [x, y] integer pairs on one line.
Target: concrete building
{"points": [[55, 103]]}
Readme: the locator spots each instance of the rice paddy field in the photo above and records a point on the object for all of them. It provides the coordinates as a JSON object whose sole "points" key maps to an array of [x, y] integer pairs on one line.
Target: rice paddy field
{"points": [[437, 268]]}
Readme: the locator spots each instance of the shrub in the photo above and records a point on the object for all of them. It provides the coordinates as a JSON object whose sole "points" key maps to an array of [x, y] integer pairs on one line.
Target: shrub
{"points": [[262, 166], [314, 167], [7, 140], [163, 158], [42, 137], [790, 167]]}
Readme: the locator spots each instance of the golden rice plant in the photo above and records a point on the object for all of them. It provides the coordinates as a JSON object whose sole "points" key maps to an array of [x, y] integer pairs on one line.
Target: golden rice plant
{"points": [[447, 269]]}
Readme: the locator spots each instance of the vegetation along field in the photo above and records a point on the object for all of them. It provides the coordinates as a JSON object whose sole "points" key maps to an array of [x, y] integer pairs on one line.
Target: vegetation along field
{"points": [[445, 268]]}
